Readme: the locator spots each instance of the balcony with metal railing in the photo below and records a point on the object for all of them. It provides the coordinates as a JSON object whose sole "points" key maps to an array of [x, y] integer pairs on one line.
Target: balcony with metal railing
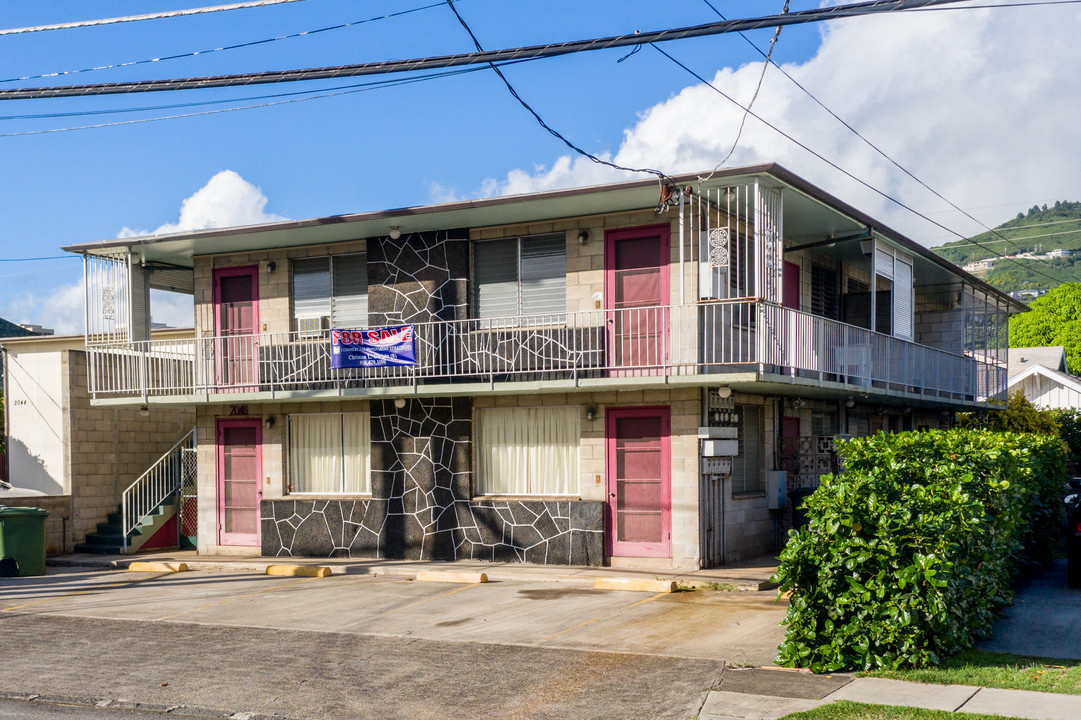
{"points": [[741, 342]]}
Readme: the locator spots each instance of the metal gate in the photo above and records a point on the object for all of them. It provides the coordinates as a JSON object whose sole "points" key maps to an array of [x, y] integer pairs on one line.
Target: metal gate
{"points": [[189, 505]]}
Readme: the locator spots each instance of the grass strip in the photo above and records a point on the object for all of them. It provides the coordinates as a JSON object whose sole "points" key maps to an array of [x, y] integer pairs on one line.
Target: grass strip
{"points": [[996, 670], [846, 710]]}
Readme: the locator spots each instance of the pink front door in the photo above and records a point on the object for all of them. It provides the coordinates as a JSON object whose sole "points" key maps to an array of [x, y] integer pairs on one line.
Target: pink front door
{"points": [[638, 458], [240, 470], [790, 286], [236, 322], [636, 297]]}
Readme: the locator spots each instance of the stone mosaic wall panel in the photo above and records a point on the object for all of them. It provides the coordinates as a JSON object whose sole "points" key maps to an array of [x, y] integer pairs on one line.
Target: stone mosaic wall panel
{"points": [[542, 532]]}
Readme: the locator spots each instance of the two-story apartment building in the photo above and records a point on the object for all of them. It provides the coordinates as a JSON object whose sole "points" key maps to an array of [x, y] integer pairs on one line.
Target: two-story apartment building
{"points": [[600, 375]]}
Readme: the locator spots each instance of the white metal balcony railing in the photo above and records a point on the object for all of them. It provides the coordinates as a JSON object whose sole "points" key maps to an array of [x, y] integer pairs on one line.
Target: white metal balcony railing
{"points": [[695, 339]]}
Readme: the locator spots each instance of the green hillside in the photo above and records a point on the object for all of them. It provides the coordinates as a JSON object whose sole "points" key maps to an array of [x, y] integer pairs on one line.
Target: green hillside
{"points": [[1040, 230]]}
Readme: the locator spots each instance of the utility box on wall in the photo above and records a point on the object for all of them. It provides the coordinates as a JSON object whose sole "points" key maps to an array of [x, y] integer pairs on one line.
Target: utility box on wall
{"points": [[777, 489]]}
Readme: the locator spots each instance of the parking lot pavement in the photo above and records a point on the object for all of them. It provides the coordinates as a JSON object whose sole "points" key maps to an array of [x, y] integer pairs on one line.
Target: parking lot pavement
{"points": [[741, 628]]}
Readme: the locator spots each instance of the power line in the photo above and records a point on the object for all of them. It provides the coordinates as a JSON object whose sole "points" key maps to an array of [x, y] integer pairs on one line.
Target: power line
{"points": [[35, 259], [322, 94], [149, 16], [834, 165], [555, 133], [857, 133], [442, 61], [224, 48]]}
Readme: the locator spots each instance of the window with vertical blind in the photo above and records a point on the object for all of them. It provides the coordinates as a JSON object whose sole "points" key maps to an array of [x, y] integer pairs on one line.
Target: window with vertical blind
{"points": [[825, 292], [747, 464], [329, 453], [527, 451], [520, 276], [334, 288]]}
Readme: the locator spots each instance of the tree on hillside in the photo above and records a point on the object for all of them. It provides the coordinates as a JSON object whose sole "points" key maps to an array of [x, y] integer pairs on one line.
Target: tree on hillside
{"points": [[1054, 319]]}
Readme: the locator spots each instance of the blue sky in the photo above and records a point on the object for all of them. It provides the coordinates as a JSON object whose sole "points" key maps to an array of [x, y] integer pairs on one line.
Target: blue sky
{"points": [[955, 97]]}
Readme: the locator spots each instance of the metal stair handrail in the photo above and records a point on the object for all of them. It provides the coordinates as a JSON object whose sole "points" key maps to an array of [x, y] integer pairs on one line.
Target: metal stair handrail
{"points": [[150, 490]]}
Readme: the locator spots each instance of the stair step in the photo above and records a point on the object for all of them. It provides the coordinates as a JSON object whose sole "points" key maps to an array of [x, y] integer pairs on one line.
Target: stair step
{"points": [[109, 530], [98, 539], [92, 549]]}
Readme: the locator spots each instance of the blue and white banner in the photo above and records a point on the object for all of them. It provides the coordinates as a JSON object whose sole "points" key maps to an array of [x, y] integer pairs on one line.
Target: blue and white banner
{"points": [[378, 347]]}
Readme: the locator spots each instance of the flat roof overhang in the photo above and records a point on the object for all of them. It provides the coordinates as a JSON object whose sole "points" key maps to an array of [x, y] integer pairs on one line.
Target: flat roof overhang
{"points": [[810, 214]]}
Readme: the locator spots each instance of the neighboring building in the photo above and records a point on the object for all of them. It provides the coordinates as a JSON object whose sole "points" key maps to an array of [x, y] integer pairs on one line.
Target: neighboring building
{"points": [[1042, 375], [596, 381], [78, 456]]}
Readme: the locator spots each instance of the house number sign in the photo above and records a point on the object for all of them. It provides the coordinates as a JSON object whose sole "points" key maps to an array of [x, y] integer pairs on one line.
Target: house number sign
{"points": [[238, 409]]}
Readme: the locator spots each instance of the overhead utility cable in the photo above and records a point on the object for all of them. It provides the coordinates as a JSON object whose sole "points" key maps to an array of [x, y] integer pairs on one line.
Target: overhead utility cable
{"points": [[442, 61], [757, 89], [555, 133], [857, 133], [224, 48], [148, 16], [311, 95], [838, 168]]}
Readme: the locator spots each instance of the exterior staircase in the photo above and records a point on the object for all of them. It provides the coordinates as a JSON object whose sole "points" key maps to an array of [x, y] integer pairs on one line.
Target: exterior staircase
{"points": [[149, 505], [109, 537]]}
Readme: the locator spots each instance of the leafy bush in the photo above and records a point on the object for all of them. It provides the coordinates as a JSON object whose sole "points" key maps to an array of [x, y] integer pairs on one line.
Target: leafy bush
{"points": [[912, 549], [1019, 416]]}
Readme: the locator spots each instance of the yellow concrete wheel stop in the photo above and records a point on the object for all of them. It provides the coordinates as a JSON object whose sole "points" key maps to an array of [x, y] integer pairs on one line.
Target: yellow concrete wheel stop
{"points": [[298, 570], [158, 567], [466, 577]]}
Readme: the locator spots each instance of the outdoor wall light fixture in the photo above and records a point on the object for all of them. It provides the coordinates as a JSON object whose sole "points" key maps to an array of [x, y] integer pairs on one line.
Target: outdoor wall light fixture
{"points": [[144, 411], [796, 403], [591, 412], [724, 392], [271, 267], [269, 422], [395, 232], [850, 403], [399, 403], [583, 237]]}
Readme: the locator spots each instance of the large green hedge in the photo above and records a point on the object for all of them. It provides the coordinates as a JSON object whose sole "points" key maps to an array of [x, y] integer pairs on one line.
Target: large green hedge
{"points": [[912, 549]]}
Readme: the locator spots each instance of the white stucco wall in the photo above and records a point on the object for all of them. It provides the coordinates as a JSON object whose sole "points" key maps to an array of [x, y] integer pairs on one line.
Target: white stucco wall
{"points": [[36, 425]]}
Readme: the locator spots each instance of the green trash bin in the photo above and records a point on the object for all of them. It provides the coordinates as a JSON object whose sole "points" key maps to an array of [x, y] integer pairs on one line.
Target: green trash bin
{"points": [[22, 541]]}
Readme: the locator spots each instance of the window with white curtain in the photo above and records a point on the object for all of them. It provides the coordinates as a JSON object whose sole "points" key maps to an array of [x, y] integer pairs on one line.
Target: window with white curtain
{"points": [[520, 276], [333, 289], [329, 453], [527, 451]]}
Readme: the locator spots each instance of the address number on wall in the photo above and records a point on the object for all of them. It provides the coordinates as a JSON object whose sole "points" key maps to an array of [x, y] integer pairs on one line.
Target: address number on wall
{"points": [[238, 409]]}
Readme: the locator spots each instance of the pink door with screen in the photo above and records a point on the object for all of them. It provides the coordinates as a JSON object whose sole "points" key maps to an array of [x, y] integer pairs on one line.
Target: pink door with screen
{"points": [[240, 470], [638, 458], [236, 322], [637, 299]]}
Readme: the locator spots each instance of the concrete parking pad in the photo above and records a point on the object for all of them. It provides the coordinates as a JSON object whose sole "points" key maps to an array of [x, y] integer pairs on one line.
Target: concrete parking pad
{"points": [[741, 628]]}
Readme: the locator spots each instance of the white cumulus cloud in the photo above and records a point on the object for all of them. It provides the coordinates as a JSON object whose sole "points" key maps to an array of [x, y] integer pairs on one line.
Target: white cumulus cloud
{"points": [[979, 104], [227, 200]]}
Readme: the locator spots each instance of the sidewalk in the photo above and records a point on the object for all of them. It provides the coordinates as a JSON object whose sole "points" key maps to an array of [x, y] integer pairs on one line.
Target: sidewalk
{"points": [[767, 694], [752, 575]]}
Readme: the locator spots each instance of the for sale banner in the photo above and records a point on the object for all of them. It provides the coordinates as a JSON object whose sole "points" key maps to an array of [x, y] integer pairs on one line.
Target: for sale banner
{"points": [[377, 347]]}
